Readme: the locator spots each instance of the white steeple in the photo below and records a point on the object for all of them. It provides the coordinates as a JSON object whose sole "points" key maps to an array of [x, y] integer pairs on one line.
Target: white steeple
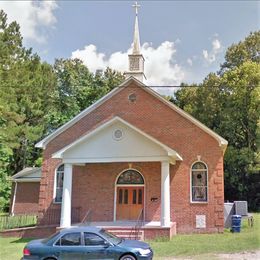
{"points": [[136, 59], [136, 43]]}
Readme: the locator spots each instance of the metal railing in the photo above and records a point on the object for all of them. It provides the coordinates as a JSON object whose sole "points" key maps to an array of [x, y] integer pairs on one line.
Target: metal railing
{"points": [[52, 216], [87, 218], [139, 223]]}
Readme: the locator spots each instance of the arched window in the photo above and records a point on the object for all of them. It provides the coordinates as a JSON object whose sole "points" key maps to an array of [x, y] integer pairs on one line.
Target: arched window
{"points": [[199, 182], [130, 177], [58, 184]]}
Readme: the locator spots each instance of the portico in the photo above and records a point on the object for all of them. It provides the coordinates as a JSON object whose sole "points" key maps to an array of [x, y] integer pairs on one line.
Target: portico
{"points": [[117, 141]]}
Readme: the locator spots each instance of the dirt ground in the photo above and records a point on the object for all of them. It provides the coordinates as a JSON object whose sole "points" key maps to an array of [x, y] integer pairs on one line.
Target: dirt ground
{"points": [[248, 255]]}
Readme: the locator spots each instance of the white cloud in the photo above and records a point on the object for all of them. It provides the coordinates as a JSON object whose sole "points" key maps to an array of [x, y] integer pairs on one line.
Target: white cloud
{"points": [[159, 66], [211, 56], [32, 17], [189, 61]]}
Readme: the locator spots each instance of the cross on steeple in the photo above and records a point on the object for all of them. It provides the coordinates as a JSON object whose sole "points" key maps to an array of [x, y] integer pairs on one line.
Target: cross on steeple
{"points": [[136, 59], [136, 6]]}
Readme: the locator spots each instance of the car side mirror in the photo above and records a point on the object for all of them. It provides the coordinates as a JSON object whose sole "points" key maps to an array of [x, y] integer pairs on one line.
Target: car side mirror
{"points": [[106, 244]]}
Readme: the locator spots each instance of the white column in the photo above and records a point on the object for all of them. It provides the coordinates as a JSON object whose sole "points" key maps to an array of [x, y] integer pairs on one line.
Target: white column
{"points": [[165, 194], [14, 198], [65, 219]]}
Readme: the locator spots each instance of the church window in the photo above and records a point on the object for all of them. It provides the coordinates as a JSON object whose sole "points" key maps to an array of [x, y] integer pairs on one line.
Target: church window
{"points": [[199, 182], [130, 177], [58, 184]]}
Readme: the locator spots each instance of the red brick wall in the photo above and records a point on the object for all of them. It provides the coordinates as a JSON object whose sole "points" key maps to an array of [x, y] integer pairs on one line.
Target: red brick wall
{"points": [[158, 120], [94, 188], [27, 197]]}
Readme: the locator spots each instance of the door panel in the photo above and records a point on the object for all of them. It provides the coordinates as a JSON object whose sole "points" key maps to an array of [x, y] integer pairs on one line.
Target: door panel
{"points": [[130, 202]]}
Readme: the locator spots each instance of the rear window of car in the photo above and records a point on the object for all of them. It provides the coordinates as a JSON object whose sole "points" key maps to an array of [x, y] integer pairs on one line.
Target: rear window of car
{"points": [[45, 240], [70, 239]]}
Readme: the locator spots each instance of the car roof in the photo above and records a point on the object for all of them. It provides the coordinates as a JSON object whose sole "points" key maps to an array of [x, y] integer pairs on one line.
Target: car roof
{"points": [[80, 229]]}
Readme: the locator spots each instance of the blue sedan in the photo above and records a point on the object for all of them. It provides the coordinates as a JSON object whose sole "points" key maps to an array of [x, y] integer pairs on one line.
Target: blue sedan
{"points": [[82, 243]]}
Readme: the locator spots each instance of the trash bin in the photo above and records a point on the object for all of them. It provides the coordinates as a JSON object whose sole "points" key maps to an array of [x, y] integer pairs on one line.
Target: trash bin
{"points": [[236, 223]]}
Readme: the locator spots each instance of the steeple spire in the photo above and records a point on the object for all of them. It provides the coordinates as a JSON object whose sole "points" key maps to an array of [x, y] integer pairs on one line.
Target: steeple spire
{"points": [[136, 42], [136, 59]]}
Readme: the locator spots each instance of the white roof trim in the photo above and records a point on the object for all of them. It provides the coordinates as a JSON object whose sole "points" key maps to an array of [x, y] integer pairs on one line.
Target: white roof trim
{"points": [[222, 142], [25, 174], [47, 139], [27, 180], [170, 152]]}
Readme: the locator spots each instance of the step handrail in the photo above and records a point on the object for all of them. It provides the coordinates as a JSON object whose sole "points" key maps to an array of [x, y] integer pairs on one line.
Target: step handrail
{"points": [[87, 218], [139, 223]]}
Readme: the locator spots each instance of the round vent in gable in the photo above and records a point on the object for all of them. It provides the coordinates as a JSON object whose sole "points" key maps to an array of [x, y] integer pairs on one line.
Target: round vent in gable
{"points": [[118, 134], [132, 97]]}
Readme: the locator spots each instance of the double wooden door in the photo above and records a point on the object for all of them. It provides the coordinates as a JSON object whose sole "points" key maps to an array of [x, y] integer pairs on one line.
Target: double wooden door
{"points": [[130, 202]]}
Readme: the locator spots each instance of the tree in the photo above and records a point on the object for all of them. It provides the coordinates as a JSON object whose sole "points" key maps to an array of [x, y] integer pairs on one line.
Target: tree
{"points": [[229, 104], [25, 97], [77, 89], [246, 50]]}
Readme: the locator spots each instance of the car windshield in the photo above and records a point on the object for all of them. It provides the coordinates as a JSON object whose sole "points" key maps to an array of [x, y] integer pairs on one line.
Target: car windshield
{"points": [[110, 237], [45, 240]]}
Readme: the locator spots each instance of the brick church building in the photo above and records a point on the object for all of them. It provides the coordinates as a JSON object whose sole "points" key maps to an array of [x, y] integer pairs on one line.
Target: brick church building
{"points": [[131, 156]]}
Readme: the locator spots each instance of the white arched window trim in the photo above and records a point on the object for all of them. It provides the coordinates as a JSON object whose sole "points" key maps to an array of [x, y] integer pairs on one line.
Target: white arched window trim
{"points": [[55, 183], [207, 186]]}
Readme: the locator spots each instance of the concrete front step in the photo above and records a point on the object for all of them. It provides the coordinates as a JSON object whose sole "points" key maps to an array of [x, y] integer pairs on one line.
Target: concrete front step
{"points": [[128, 233]]}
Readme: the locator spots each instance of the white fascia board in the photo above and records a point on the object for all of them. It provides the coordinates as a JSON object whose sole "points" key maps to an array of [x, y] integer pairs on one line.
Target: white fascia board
{"points": [[44, 142], [170, 151], [25, 172], [222, 142], [26, 180]]}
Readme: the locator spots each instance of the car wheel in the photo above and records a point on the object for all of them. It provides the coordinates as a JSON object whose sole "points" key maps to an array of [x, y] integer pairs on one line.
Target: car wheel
{"points": [[127, 257]]}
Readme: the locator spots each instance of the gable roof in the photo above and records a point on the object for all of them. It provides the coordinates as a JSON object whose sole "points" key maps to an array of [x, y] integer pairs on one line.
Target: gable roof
{"points": [[170, 152], [222, 142], [28, 174]]}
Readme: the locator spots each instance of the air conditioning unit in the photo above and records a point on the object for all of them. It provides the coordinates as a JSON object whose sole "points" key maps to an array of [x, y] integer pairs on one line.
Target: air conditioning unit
{"points": [[241, 208]]}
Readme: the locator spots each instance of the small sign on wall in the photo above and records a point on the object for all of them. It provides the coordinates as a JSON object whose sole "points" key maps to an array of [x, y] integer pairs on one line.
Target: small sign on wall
{"points": [[200, 221]]}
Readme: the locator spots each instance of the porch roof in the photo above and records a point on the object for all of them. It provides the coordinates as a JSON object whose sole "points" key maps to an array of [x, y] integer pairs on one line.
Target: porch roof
{"points": [[28, 174], [100, 145]]}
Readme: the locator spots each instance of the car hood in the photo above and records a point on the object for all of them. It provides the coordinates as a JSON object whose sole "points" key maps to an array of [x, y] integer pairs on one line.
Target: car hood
{"points": [[134, 244]]}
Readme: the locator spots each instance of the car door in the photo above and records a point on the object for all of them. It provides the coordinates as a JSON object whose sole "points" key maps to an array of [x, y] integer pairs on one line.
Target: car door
{"points": [[70, 246], [97, 248]]}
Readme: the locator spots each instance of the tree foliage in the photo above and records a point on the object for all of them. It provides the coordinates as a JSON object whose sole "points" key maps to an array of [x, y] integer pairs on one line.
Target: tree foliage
{"points": [[229, 104], [36, 98]]}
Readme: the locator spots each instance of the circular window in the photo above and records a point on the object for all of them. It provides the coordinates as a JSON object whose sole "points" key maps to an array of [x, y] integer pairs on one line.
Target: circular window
{"points": [[118, 134]]}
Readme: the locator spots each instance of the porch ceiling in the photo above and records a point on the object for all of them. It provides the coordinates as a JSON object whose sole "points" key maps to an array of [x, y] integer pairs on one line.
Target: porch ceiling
{"points": [[102, 145]]}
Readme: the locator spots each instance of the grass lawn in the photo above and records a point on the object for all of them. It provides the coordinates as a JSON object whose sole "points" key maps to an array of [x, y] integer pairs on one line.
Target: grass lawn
{"points": [[192, 245], [180, 245]]}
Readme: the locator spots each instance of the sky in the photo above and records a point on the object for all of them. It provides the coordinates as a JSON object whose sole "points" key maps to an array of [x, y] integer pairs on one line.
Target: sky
{"points": [[182, 41]]}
